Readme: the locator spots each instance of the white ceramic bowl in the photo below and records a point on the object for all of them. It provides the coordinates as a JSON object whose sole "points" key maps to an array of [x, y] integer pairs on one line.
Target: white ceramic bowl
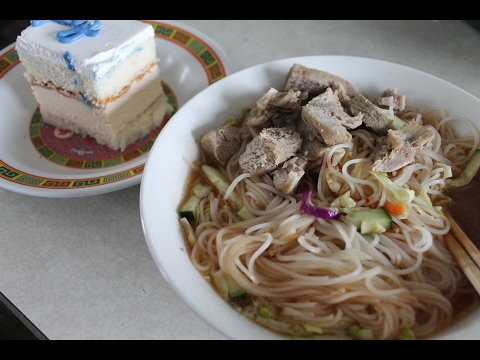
{"points": [[166, 170]]}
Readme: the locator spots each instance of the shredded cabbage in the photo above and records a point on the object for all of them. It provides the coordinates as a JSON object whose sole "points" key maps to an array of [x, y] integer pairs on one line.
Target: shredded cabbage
{"points": [[343, 201], [396, 193]]}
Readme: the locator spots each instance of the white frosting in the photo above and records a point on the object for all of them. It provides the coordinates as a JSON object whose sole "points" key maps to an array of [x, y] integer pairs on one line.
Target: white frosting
{"points": [[103, 66], [92, 56]]}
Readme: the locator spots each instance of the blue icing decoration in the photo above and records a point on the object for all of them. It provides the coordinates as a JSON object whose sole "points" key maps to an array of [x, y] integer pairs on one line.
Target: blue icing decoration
{"points": [[79, 29], [69, 58], [37, 23], [85, 100]]}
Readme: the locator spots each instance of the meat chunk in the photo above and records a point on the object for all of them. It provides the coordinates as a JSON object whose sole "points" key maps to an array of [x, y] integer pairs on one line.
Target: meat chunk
{"points": [[275, 109], [271, 147], [312, 148], [331, 100], [325, 117], [328, 97], [314, 82], [325, 125], [305, 133], [222, 143], [399, 147], [390, 98], [315, 149], [372, 115], [287, 178]]}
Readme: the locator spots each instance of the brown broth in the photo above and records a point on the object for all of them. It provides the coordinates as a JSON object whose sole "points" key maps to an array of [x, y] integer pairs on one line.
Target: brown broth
{"points": [[464, 304], [465, 207]]}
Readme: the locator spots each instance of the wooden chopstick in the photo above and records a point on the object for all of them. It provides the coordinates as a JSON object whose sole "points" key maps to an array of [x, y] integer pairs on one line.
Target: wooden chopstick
{"points": [[464, 251], [463, 239]]}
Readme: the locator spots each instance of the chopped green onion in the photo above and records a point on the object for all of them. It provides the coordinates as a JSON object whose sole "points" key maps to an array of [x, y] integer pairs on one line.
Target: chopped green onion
{"points": [[266, 313]]}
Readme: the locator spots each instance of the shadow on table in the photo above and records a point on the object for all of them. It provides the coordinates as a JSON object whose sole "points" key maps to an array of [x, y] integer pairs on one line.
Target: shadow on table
{"points": [[14, 325], [474, 23]]}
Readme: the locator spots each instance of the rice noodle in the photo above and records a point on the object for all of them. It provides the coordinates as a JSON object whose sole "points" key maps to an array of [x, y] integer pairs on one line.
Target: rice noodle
{"points": [[324, 273]]}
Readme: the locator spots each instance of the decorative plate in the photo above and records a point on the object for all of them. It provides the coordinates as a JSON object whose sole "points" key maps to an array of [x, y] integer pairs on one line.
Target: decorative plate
{"points": [[40, 160]]}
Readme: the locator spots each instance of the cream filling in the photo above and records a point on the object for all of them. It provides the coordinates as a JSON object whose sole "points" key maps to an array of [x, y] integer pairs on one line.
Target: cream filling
{"points": [[100, 104], [122, 121]]}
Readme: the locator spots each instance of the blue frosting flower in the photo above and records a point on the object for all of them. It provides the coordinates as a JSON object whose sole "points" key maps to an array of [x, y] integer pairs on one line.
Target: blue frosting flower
{"points": [[79, 29]]}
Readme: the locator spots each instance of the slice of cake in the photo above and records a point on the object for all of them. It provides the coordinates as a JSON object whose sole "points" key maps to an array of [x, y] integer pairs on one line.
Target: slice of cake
{"points": [[95, 77]]}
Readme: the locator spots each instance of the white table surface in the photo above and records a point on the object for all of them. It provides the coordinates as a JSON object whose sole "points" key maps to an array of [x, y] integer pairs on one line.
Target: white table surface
{"points": [[79, 268]]}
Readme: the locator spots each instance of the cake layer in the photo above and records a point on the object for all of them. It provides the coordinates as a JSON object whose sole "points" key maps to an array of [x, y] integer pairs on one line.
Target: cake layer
{"points": [[123, 120], [100, 67]]}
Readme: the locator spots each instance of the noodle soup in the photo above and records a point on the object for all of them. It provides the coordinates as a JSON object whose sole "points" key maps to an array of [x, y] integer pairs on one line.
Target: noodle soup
{"points": [[319, 235]]}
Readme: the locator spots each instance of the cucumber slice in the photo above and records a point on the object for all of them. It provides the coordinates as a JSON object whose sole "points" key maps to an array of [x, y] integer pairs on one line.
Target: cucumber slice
{"points": [[221, 182], [370, 220], [235, 291], [202, 190], [189, 210], [244, 214]]}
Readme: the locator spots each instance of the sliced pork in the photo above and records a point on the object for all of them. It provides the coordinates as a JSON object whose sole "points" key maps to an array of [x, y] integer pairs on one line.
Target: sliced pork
{"points": [[372, 115], [222, 143], [288, 176], [314, 82], [389, 98], [399, 147], [326, 118], [315, 149], [275, 109], [312, 148], [331, 100], [270, 148]]}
